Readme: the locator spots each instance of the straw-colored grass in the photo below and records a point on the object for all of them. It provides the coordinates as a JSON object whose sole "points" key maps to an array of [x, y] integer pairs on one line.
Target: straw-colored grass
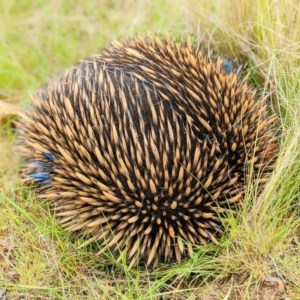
{"points": [[259, 258]]}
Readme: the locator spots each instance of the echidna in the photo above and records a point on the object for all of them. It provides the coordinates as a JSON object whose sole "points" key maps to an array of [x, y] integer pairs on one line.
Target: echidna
{"points": [[146, 146]]}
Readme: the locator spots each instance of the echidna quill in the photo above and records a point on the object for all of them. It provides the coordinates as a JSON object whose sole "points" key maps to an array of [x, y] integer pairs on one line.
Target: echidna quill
{"points": [[146, 146]]}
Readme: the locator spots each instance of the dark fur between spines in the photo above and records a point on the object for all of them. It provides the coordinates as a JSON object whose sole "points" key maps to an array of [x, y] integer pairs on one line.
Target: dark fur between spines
{"points": [[146, 146]]}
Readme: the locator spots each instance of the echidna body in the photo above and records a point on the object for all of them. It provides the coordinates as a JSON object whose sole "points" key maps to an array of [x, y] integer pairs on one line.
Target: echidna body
{"points": [[146, 146]]}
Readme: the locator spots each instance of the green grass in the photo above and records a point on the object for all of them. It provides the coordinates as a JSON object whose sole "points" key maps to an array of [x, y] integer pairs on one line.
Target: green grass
{"points": [[259, 258]]}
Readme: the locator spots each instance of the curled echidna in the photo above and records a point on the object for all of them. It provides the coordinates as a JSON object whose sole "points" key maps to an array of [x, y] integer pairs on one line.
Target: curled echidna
{"points": [[146, 146]]}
